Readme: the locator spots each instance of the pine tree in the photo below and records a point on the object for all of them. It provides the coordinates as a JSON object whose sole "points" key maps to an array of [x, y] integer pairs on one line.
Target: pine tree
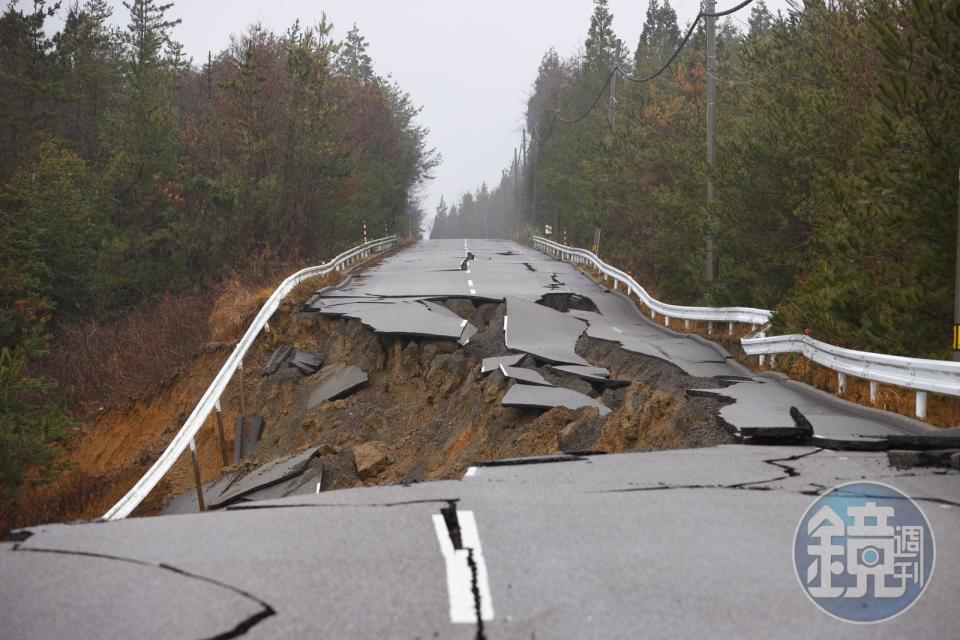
{"points": [[603, 48], [659, 38], [760, 20], [353, 60], [87, 51]]}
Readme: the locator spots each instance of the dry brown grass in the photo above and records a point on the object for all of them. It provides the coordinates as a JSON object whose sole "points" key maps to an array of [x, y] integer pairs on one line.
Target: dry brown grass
{"points": [[134, 380], [235, 308], [98, 364]]}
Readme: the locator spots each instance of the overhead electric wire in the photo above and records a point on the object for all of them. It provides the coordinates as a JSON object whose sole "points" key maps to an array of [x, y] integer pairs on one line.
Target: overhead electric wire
{"points": [[617, 69], [595, 100]]}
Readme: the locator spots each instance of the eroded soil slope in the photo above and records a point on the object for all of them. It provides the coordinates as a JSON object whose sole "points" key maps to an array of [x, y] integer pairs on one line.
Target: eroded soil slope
{"points": [[426, 409]]}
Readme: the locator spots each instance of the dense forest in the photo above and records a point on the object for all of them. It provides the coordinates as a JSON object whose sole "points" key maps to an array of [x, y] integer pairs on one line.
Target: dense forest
{"points": [[128, 171], [838, 147]]}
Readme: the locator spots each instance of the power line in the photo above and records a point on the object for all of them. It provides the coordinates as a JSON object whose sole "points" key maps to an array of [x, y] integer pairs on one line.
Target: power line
{"points": [[617, 69]]}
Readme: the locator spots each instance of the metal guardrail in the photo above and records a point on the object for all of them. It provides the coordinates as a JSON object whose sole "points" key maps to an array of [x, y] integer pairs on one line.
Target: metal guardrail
{"points": [[923, 376], [748, 315], [211, 398]]}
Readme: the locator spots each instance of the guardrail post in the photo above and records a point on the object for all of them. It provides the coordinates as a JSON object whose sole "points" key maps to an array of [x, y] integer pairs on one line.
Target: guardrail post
{"points": [[221, 436], [196, 475], [730, 327], [243, 406], [921, 405], [709, 327], [686, 325], [841, 383], [873, 392], [761, 358], [666, 321]]}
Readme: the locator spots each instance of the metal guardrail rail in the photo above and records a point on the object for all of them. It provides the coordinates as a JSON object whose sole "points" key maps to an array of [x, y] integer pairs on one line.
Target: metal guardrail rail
{"points": [[748, 315], [210, 401], [923, 376]]}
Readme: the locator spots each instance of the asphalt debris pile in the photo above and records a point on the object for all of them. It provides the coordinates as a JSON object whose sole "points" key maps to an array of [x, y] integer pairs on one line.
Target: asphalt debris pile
{"points": [[286, 356]]}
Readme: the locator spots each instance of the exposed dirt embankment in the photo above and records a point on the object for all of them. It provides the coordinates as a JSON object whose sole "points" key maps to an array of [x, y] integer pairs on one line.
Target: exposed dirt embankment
{"points": [[426, 412], [430, 413]]}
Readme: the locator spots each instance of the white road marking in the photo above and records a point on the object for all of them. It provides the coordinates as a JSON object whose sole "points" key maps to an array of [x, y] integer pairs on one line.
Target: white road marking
{"points": [[459, 576], [468, 269], [473, 292], [505, 318], [469, 283], [471, 471], [463, 324], [318, 487], [615, 329]]}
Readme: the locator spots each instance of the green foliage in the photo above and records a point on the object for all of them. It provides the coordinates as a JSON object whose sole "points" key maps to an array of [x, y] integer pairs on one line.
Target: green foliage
{"points": [[836, 183], [126, 172], [31, 422]]}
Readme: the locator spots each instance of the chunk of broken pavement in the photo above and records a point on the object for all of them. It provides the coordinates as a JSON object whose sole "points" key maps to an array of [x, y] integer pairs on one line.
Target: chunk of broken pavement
{"points": [[335, 381], [306, 363], [281, 355]]}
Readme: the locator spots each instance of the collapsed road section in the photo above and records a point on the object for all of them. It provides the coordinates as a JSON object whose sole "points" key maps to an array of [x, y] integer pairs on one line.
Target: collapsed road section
{"points": [[480, 394], [404, 373]]}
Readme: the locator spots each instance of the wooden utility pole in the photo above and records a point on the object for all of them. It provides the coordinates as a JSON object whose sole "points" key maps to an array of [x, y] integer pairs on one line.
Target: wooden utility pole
{"points": [[612, 105], [709, 7], [516, 185], [956, 284]]}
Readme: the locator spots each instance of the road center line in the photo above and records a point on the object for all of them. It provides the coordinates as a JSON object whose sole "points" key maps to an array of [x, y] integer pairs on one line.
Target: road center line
{"points": [[473, 292], [469, 283], [459, 576]]}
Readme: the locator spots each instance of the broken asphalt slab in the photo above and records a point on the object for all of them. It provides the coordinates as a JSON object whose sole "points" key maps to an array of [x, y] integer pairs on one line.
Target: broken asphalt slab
{"points": [[542, 332], [538, 397], [335, 381], [410, 317], [770, 408], [264, 476], [492, 364], [306, 363], [247, 430], [521, 374]]}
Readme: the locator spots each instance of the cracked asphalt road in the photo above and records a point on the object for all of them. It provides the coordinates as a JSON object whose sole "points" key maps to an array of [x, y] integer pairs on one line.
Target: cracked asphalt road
{"points": [[692, 543], [683, 543]]}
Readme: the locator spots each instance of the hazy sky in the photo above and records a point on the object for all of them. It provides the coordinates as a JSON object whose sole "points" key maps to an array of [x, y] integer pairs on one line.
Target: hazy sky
{"points": [[469, 64]]}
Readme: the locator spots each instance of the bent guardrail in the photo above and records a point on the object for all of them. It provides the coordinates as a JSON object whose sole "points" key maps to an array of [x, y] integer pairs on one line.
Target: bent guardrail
{"points": [[211, 398], [919, 374], [748, 315]]}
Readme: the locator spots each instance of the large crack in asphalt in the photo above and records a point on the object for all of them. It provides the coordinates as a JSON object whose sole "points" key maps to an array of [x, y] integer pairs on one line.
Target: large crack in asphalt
{"points": [[240, 629], [790, 471], [450, 518], [760, 485], [301, 505]]}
